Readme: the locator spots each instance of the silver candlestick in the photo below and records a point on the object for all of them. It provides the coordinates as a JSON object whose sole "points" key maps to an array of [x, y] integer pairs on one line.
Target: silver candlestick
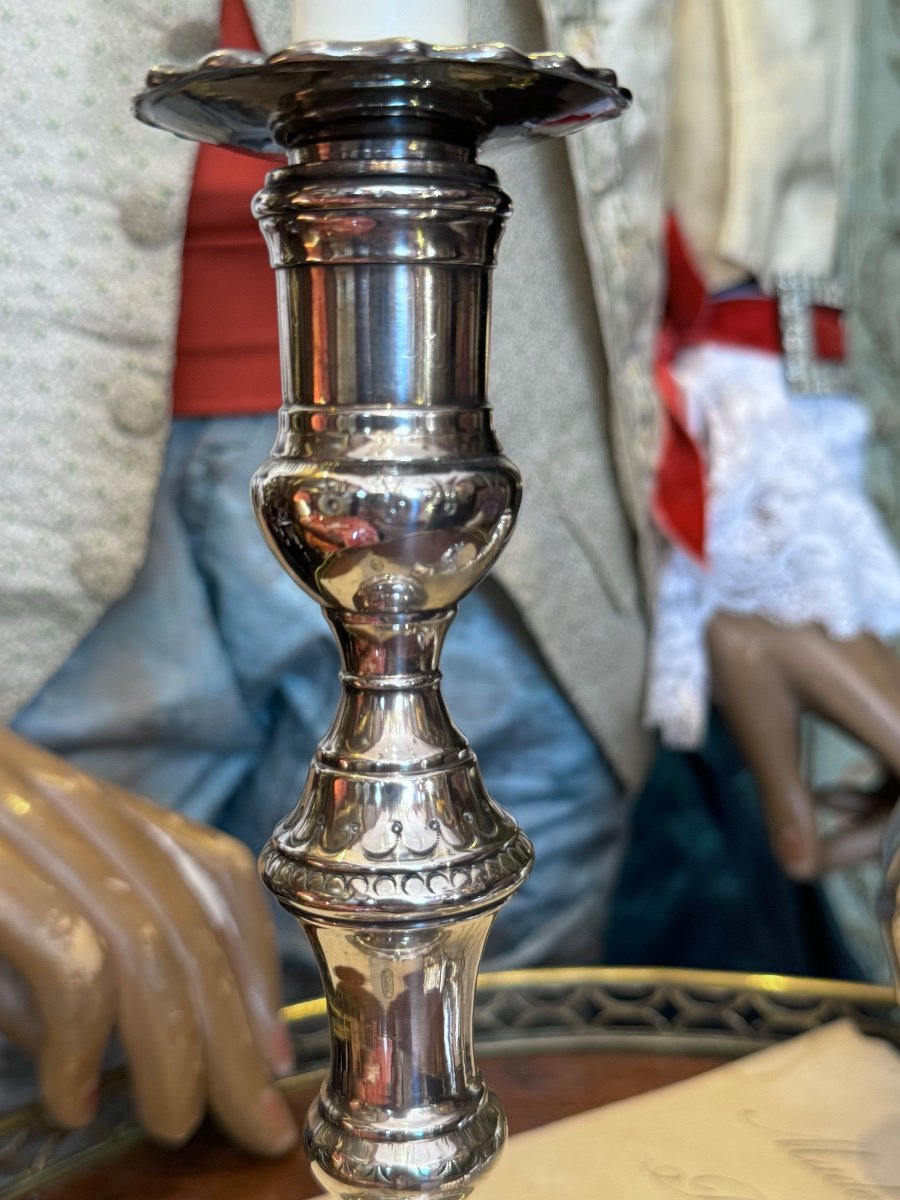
{"points": [[387, 499]]}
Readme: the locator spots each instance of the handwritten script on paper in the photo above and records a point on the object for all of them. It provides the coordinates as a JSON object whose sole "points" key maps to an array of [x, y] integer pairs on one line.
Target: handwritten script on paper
{"points": [[835, 1160], [814, 1118], [709, 1187]]}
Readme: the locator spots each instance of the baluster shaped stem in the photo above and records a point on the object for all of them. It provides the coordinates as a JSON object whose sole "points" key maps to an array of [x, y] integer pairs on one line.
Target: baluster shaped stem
{"points": [[387, 498]]}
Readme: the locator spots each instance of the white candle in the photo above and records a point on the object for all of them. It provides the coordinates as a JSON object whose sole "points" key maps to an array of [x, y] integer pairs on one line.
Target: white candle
{"points": [[437, 22]]}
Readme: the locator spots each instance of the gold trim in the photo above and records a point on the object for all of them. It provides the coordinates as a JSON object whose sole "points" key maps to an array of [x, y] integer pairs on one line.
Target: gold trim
{"points": [[679, 977], [305, 1010]]}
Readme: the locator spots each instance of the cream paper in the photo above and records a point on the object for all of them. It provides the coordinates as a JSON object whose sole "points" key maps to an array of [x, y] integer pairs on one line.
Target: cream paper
{"points": [[814, 1118]]}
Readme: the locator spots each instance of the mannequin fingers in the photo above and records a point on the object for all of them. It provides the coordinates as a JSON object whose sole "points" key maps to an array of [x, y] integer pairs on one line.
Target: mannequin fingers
{"points": [[234, 1012], [846, 802], [154, 1007], [790, 818], [859, 804], [170, 964], [858, 823], [764, 718], [250, 940], [52, 944], [239, 1063], [857, 842], [182, 894], [235, 905], [243, 919], [234, 869], [853, 683]]}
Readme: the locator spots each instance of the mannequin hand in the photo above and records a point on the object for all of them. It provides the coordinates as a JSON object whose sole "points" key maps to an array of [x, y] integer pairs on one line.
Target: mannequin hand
{"points": [[764, 677], [117, 914]]}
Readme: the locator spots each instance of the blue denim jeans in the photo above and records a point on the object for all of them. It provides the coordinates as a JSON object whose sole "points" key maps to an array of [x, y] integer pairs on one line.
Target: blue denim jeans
{"points": [[208, 685]]}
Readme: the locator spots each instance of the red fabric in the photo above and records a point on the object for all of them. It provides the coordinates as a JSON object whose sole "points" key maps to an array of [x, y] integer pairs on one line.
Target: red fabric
{"points": [[678, 499], [828, 334], [691, 317], [227, 349]]}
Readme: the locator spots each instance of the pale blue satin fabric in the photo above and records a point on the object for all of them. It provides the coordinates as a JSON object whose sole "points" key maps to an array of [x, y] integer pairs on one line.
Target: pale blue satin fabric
{"points": [[208, 686]]}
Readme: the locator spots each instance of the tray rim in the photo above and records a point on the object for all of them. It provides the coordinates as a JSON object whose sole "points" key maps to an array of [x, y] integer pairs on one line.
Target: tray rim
{"points": [[735, 986], [679, 977]]}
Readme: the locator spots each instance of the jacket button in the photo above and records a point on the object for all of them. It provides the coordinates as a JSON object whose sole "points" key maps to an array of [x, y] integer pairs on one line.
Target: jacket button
{"points": [[101, 567], [137, 405], [191, 40]]}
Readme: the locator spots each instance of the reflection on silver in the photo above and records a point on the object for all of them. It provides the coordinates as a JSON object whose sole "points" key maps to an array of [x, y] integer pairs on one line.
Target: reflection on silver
{"points": [[387, 498]]}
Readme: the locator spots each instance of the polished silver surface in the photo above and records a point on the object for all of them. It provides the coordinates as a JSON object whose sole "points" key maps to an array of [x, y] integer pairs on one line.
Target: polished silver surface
{"points": [[404, 1109], [266, 105], [387, 498]]}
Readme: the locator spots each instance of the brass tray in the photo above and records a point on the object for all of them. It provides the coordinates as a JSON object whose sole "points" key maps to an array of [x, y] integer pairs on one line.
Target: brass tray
{"points": [[596, 1009]]}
